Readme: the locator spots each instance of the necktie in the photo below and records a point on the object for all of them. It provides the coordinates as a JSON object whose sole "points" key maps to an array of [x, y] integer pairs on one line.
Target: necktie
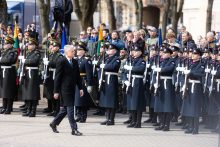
{"points": [[70, 62]]}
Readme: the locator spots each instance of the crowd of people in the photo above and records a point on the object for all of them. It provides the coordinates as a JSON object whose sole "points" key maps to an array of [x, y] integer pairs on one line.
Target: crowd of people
{"points": [[175, 80]]}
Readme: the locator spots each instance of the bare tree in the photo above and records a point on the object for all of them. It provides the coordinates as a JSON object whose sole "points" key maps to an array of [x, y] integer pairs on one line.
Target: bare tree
{"points": [[139, 13], [84, 10], [176, 10], [44, 10], [3, 12], [165, 16], [111, 15], [209, 15]]}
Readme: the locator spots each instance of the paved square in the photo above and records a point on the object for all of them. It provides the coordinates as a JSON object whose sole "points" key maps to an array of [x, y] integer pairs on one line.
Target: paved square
{"points": [[18, 131]]}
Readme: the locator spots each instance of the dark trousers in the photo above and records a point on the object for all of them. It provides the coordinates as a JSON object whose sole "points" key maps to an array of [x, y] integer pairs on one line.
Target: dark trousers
{"points": [[165, 118], [7, 104], [136, 117], [69, 111], [67, 27], [110, 114], [193, 123], [82, 113]]}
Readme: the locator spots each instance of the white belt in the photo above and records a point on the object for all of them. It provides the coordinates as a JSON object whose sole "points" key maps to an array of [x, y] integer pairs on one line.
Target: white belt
{"points": [[218, 84], [29, 70], [134, 77], [54, 71], [6, 67], [193, 84], [165, 78], [110, 74]]}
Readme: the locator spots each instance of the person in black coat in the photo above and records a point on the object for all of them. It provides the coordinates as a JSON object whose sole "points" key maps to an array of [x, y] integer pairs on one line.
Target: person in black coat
{"points": [[31, 80], [192, 102], [54, 56], [164, 103], [67, 77], [135, 94], [8, 75], [109, 90], [85, 68]]}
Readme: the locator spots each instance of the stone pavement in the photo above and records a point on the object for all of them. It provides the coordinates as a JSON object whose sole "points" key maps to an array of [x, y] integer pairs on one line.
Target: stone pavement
{"points": [[18, 131]]}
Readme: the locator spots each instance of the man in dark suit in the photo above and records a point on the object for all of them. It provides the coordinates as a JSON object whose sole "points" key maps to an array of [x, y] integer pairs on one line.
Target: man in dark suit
{"points": [[66, 78]]}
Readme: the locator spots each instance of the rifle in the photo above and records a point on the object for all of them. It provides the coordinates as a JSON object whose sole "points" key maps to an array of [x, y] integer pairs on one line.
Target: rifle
{"points": [[186, 78], [152, 77], [102, 72], [46, 58], [129, 73], [95, 61], [212, 79], [156, 86], [145, 72], [21, 75], [177, 78], [206, 78]]}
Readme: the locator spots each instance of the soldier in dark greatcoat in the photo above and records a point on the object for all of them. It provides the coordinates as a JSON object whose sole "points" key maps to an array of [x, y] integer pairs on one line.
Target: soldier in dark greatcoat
{"points": [[109, 88], [54, 56], [135, 95], [85, 67], [8, 75], [31, 81], [193, 100], [164, 103]]}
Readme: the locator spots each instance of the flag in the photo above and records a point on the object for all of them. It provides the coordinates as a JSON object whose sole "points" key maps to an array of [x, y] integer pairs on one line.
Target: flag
{"points": [[100, 40], [160, 41], [16, 42], [16, 46], [63, 39]]}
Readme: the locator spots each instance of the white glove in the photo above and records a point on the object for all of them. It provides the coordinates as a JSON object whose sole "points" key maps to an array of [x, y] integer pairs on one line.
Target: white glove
{"points": [[207, 70], [156, 85], [158, 69], [45, 59], [20, 57], [94, 62], [89, 89], [178, 68], [102, 65], [46, 62], [148, 65], [182, 69], [23, 60], [186, 72], [129, 67], [153, 67], [213, 72], [126, 66], [127, 83]]}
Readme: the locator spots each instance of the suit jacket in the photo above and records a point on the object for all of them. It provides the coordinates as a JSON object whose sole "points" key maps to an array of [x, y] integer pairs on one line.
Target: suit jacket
{"points": [[66, 78]]}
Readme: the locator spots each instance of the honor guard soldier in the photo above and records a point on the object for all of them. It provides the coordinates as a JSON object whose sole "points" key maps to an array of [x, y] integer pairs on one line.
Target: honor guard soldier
{"points": [[135, 95], [193, 92], [213, 91], [122, 98], [109, 84], [31, 80], [45, 94], [148, 84], [164, 102], [206, 60], [85, 67], [97, 60], [175, 58], [49, 75], [8, 75]]}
